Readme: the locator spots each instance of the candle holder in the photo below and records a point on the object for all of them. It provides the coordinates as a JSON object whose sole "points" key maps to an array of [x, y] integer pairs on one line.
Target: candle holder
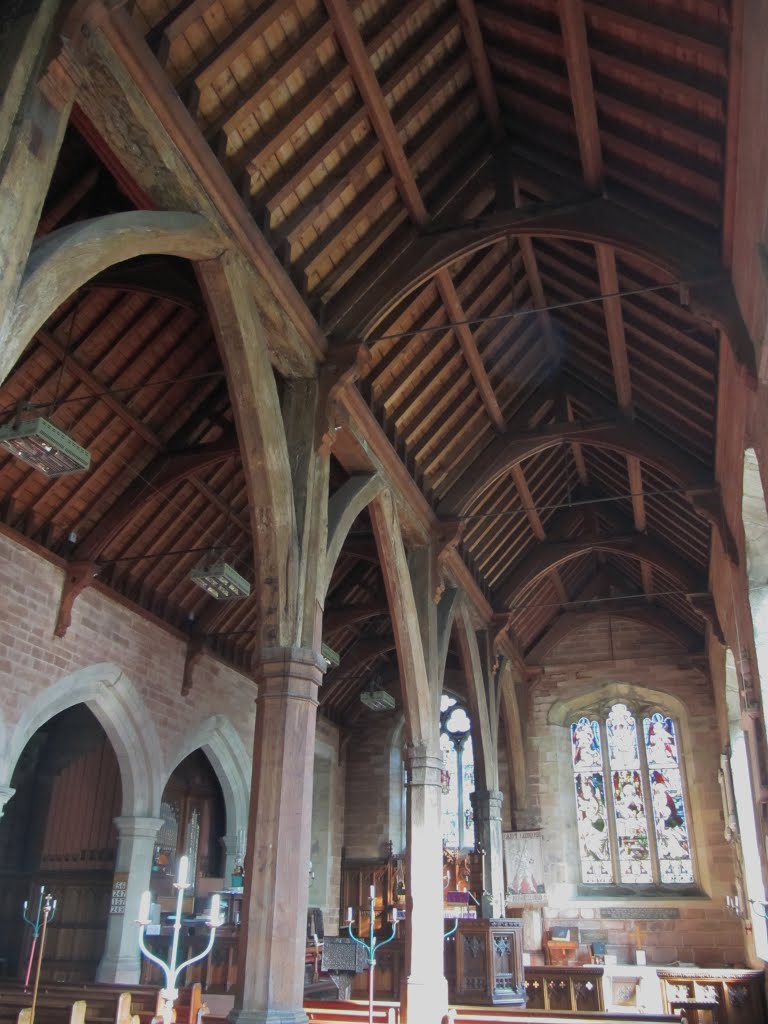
{"points": [[371, 945], [170, 993], [46, 908]]}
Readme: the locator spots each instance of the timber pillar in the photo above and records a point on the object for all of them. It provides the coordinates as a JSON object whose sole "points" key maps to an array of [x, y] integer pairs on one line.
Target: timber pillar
{"points": [[425, 995], [120, 963], [486, 805], [270, 979]]}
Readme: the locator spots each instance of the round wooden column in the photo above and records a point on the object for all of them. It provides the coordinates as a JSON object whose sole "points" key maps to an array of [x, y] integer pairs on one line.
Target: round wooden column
{"points": [[270, 981]]}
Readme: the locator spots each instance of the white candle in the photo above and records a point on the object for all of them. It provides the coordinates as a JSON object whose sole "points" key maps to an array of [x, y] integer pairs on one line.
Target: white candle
{"points": [[373, 891], [214, 914], [146, 899], [349, 913], [183, 871]]}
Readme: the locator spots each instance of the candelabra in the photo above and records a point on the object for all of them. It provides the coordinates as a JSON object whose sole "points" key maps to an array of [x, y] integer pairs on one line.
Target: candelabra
{"points": [[170, 993], [46, 908], [371, 946]]}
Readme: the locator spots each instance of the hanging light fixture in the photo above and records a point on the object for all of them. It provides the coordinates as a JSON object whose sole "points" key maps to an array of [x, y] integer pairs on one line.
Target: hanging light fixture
{"points": [[42, 445], [221, 581], [377, 698]]}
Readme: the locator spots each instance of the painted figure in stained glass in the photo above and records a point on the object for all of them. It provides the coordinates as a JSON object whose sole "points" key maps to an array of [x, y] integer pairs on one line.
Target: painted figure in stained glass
{"points": [[660, 744], [631, 827], [593, 829], [669, 818], [585, 744], [622, 738]]}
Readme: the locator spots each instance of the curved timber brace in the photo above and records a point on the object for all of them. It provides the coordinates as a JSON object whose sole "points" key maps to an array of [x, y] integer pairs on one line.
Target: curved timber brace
{"points": [[447, 537], [77, 577]]}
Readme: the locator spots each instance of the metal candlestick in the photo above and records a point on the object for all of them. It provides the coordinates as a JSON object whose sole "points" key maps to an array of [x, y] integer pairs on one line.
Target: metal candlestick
{"points": [[46, 908], [35, 925], [170, 993], [371, 946]]}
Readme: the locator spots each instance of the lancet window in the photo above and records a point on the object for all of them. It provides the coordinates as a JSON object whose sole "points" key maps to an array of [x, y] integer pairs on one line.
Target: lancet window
{"points": [[630, 799], [458, 775]]}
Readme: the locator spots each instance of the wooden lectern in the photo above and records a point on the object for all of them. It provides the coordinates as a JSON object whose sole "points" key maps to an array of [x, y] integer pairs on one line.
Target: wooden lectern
{"points": [[489, 962]]}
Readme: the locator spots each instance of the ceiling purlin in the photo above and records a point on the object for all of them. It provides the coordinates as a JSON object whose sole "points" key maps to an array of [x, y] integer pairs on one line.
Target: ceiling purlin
{"points": [[576, 47], [166, 470], [438, 347], [397, 160]]}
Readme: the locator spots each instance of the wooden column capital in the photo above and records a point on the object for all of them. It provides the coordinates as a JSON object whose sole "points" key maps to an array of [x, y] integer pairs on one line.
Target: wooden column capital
{"points": [[289, 672]]}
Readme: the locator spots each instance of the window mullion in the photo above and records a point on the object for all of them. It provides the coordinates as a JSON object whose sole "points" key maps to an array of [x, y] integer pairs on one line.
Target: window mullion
{"points": [[650, 822], [610, 806]]}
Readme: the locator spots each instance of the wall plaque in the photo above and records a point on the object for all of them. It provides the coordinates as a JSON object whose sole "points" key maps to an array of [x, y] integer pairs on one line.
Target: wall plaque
{"points": [[639, 913]]}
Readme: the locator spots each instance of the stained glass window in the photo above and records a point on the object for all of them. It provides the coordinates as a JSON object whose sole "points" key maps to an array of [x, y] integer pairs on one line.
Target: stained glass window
{"points": [[457, 776], [630, 808]]}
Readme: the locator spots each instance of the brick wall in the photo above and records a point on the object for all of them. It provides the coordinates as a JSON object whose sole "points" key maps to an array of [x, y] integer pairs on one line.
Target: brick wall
{"points": [[33, 661], [583, 662]]}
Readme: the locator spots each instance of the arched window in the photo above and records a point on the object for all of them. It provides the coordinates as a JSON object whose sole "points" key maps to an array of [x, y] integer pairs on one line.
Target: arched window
{"points": [[458, 775], [630, 802]]}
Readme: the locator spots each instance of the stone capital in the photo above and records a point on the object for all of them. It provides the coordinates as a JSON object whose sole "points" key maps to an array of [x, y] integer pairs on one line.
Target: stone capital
{"points": [[137, 827], [424, 767], [486, 804], [289, 673]]}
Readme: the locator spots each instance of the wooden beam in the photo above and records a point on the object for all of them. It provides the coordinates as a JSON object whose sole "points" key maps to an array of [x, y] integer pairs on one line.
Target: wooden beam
{"points": [[534, 520], [342, 618], [617, 435], [351, 43], [597, 220], [574, 31], [468, 344], [549, 555], [481, 68], [164, 471]]}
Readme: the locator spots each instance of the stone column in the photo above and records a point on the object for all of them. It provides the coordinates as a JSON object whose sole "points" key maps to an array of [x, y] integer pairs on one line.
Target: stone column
{"points": [[270, 980], [120, 962], [6, 792], [425, 995], [486, 804]]}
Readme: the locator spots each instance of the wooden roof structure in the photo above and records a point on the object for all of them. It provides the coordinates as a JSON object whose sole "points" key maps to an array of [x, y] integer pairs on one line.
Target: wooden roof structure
{"points": [[521, 208]]}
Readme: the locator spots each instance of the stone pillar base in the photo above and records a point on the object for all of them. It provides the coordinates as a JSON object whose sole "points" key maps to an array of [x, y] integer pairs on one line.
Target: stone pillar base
{"points": [[121, 970], [267, 1017], [425, 1002]]}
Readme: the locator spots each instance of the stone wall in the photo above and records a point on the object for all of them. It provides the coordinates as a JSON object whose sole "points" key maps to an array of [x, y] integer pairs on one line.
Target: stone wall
{"points": [[619, 659]]}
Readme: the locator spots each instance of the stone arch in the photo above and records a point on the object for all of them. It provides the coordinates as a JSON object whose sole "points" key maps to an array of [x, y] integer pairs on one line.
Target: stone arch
{"points": [[221, 744], [64, 260], [116, 703]]}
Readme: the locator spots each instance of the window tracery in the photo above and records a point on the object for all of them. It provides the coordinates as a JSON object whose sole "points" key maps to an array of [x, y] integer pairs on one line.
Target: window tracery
{"points": [[630, 803], [457, 776]]}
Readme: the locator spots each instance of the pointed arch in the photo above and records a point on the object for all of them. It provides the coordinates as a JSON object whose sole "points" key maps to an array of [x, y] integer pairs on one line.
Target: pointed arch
{"points": [[220, 742], [114, 700]]}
